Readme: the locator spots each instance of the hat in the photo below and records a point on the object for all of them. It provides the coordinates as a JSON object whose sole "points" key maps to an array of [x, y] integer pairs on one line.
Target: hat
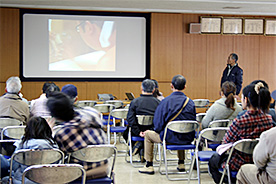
{"points": [[70, 90], [273, 94]]}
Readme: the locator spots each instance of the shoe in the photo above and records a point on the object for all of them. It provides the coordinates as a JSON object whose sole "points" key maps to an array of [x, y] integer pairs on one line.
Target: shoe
{"points": [[181, 168], [147, 170], [136, 148]]}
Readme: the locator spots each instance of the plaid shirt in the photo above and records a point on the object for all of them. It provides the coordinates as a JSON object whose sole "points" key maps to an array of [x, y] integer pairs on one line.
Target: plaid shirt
{"points": [[84, 129], [247, 126]]}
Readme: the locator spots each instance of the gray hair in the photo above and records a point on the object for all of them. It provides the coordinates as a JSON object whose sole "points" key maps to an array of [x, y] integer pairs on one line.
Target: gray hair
{"points": [[13, 85], [148, 85]]}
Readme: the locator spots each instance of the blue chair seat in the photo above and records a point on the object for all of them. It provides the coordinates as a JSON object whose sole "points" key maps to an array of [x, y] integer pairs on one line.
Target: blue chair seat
{"points": [[105, 180], [137, 138], [106, 122], [233, 173], [213, 146], [117, 129], [180, 147]]}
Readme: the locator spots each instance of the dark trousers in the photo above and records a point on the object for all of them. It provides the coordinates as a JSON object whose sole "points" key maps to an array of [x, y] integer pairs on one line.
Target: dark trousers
{"points": [[214, 164]]}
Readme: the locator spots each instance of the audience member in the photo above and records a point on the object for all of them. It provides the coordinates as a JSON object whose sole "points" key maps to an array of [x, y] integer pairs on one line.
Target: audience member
{"points": [[38, 106], [256, 99], [224, 108], [271, 111], [143, 105], [38, 135], [11, 104], [157, 94], [71, 91], [233, 72], [177, 106], [81, 127]]}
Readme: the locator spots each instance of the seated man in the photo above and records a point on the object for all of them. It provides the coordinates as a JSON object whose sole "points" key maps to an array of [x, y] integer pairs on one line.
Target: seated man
{"points": [[71, 91], [143, 105], [82, 127], [264, 156], [177, 106], [11, 105]]}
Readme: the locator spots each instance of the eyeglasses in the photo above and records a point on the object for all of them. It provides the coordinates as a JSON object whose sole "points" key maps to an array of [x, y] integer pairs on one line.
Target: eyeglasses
{"points": [[80, 24]]}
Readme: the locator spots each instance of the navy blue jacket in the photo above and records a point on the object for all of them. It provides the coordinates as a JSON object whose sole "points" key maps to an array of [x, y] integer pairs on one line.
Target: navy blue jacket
{"points": [[234, 76], [166, 110]]}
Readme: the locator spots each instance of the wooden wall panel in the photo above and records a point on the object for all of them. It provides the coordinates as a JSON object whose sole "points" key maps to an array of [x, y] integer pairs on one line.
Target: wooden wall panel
{"points": [[218, 49], [130, 87], [9, 43], [267, 64], [166, 46], [248, 50]]}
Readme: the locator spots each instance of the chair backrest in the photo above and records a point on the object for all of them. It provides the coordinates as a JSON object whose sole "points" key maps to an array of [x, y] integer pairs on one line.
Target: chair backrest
{"points": [[182, 126], [37, 156], [144, 119], [85, 103], [96, 153], [213, 134], [201, 103], [200, 116], [245, 145], [54, 173], [13, 132], [104, 108], [119, 113], [219, 123], [127, 106], [9, 122], [116, 103]]}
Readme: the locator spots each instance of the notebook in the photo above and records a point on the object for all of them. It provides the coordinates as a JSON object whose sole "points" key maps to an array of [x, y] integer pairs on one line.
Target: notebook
{"points": [[130, 96]]}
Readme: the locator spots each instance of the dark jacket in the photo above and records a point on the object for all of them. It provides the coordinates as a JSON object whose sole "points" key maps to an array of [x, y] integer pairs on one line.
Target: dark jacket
{"points": [[143, 105], [166, 110], [235, 76]]}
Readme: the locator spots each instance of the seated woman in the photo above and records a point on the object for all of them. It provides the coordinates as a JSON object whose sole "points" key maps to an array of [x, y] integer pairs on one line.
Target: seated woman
{"points": [[256, 99], [38, 135], [224, 108]]}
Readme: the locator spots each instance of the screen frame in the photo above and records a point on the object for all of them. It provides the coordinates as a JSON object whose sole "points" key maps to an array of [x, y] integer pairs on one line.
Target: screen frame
{"points": [[147, 17]]}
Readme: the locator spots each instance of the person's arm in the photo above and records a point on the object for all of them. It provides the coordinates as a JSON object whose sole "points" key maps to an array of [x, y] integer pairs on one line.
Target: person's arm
{"points": [[159, 120], [239, 79], [132, 120], [260, 154], [232, 135], [222, 77], [208, 117]]}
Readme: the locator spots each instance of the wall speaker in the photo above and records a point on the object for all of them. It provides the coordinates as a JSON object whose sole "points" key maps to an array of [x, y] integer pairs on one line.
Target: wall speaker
{"points": [[195, 28]]}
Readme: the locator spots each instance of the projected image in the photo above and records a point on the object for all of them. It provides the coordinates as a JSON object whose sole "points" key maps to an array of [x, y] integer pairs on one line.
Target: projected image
{"points": [[82, 45]]}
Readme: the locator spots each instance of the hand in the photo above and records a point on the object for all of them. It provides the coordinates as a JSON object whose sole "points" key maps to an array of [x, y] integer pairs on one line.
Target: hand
{"points": [[142, 134]]}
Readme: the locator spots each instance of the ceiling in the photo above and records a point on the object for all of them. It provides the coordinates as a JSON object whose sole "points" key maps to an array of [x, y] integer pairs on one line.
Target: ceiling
{"points": [[232, 7]]}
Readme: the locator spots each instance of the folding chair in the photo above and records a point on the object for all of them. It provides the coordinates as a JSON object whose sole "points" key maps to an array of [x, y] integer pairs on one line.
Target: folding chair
{"points": [[104, 109], [97, 153], [30, 157], [85, 103], [202, 103], [211, 134], [182, 126], [119, 114], [200, 116], [219, 123], [13, 132], [116, 103], [54, 173], [9, 122], [246, 146], [143, 120]]}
